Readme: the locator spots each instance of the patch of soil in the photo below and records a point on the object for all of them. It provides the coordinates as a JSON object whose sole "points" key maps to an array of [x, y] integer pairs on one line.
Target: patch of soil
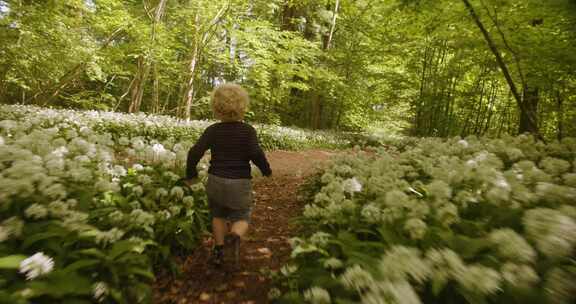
{"points": [[264, 249]]}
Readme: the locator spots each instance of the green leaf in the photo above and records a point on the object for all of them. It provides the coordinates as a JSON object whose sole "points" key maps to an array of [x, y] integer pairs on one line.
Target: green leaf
{"points": [[39, 237], [11, 261], [121, 248], [80, 265], [142, 272]]}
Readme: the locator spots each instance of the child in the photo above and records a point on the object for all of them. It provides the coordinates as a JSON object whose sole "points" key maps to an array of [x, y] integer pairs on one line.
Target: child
{"points": [[233, 144]]}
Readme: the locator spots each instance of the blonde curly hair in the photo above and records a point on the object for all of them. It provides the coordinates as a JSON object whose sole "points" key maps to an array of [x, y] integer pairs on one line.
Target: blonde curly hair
{"points": [[229, 102]]}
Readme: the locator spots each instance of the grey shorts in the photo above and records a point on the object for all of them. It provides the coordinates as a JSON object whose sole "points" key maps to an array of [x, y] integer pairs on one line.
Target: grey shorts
{"points": [[230, 199]]}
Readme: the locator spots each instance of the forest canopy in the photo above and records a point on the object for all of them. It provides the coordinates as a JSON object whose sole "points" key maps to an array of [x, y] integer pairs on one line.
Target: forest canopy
{"points": [[428, 68]]}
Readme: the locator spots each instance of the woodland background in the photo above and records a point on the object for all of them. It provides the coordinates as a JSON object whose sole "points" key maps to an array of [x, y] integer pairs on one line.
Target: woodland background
{"points": [[426, 68]]}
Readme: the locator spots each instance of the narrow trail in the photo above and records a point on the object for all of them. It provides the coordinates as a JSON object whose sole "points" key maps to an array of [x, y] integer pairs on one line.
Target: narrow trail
{"points": [[265, 248]]}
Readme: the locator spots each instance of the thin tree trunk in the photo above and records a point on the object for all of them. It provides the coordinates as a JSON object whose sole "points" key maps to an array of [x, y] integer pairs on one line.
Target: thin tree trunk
{"points": [[144, 64], [528, 122], [560, 109]]}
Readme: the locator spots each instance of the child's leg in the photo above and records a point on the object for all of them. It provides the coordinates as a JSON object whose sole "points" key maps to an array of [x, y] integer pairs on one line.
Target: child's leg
{"points": [[240, 228], [219, 230]]}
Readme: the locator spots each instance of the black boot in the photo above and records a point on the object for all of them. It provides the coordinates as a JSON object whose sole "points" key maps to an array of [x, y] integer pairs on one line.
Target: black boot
{"points": [[217, 257], [232, 243]]}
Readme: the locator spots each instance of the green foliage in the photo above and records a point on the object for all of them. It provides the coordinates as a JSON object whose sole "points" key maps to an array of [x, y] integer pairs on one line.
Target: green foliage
{"points": [[445, 221]]}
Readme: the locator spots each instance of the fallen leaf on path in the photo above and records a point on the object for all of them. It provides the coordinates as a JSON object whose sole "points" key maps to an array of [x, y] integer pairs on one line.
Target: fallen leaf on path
{"points": [[205, 296], [264, 251], [239, 284]]}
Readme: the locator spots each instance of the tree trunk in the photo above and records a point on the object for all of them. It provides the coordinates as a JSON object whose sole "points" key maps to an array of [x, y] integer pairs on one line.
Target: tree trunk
{"points": [[144, 64], [527, 113], [189, 95], [560, 109]]}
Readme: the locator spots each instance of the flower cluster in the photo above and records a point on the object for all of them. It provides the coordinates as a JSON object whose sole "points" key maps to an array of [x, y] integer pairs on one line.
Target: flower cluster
{"points": [[493, 217]]}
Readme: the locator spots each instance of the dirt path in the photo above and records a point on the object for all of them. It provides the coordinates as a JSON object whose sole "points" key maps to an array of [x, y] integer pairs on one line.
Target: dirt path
{"points": [[265, 248]]}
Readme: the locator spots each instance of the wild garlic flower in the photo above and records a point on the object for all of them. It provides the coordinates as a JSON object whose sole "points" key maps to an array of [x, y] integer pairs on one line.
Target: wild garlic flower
{"points": [[333, 263], [400, 263], [274, 293], [519, 275], [109, 237], [385, 292], [559, 286], [177, 192], [161, 192], [320, 238], [352, 185], [356, 278], [553, 232], [416, 228], [439, 190], [138, 191], [481, 279], [371, 213], [445, 264], [317, 295], [463, 143], [188, 201], [100, 290], [4, 234], [447, 214], [37, 265], [36, 211], [554, 166], [510, 245]]}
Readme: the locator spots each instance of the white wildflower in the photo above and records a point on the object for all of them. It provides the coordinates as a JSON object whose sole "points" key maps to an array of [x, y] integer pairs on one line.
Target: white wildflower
{"points": [[333, 263], [4, 234], [138, 191], [60, 152], [386, 292], [472, 163], [36, 265], [416, 227], [447, 214], [559, 286], [371, 213], [118, 171], [320, 238], [144, 179], [161, 192], [445, 264], [288, 269], [519, 275], [511, 245], [317, 295], [177, 192], [553, 232], [100, 290], [352, 185], [188, 201], [274, 293], [356, 278], [137, 167], [463, 143], [479, 279], [36, 211], [402, 262], [158, 149], [439, 190]]}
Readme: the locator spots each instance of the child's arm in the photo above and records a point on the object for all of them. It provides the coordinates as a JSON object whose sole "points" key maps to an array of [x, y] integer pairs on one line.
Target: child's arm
{"points": [[196, 153], [257, 156]]}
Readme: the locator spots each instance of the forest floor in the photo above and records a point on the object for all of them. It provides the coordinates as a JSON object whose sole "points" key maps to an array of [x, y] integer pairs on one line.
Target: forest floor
{"points": [[264, 249]]}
